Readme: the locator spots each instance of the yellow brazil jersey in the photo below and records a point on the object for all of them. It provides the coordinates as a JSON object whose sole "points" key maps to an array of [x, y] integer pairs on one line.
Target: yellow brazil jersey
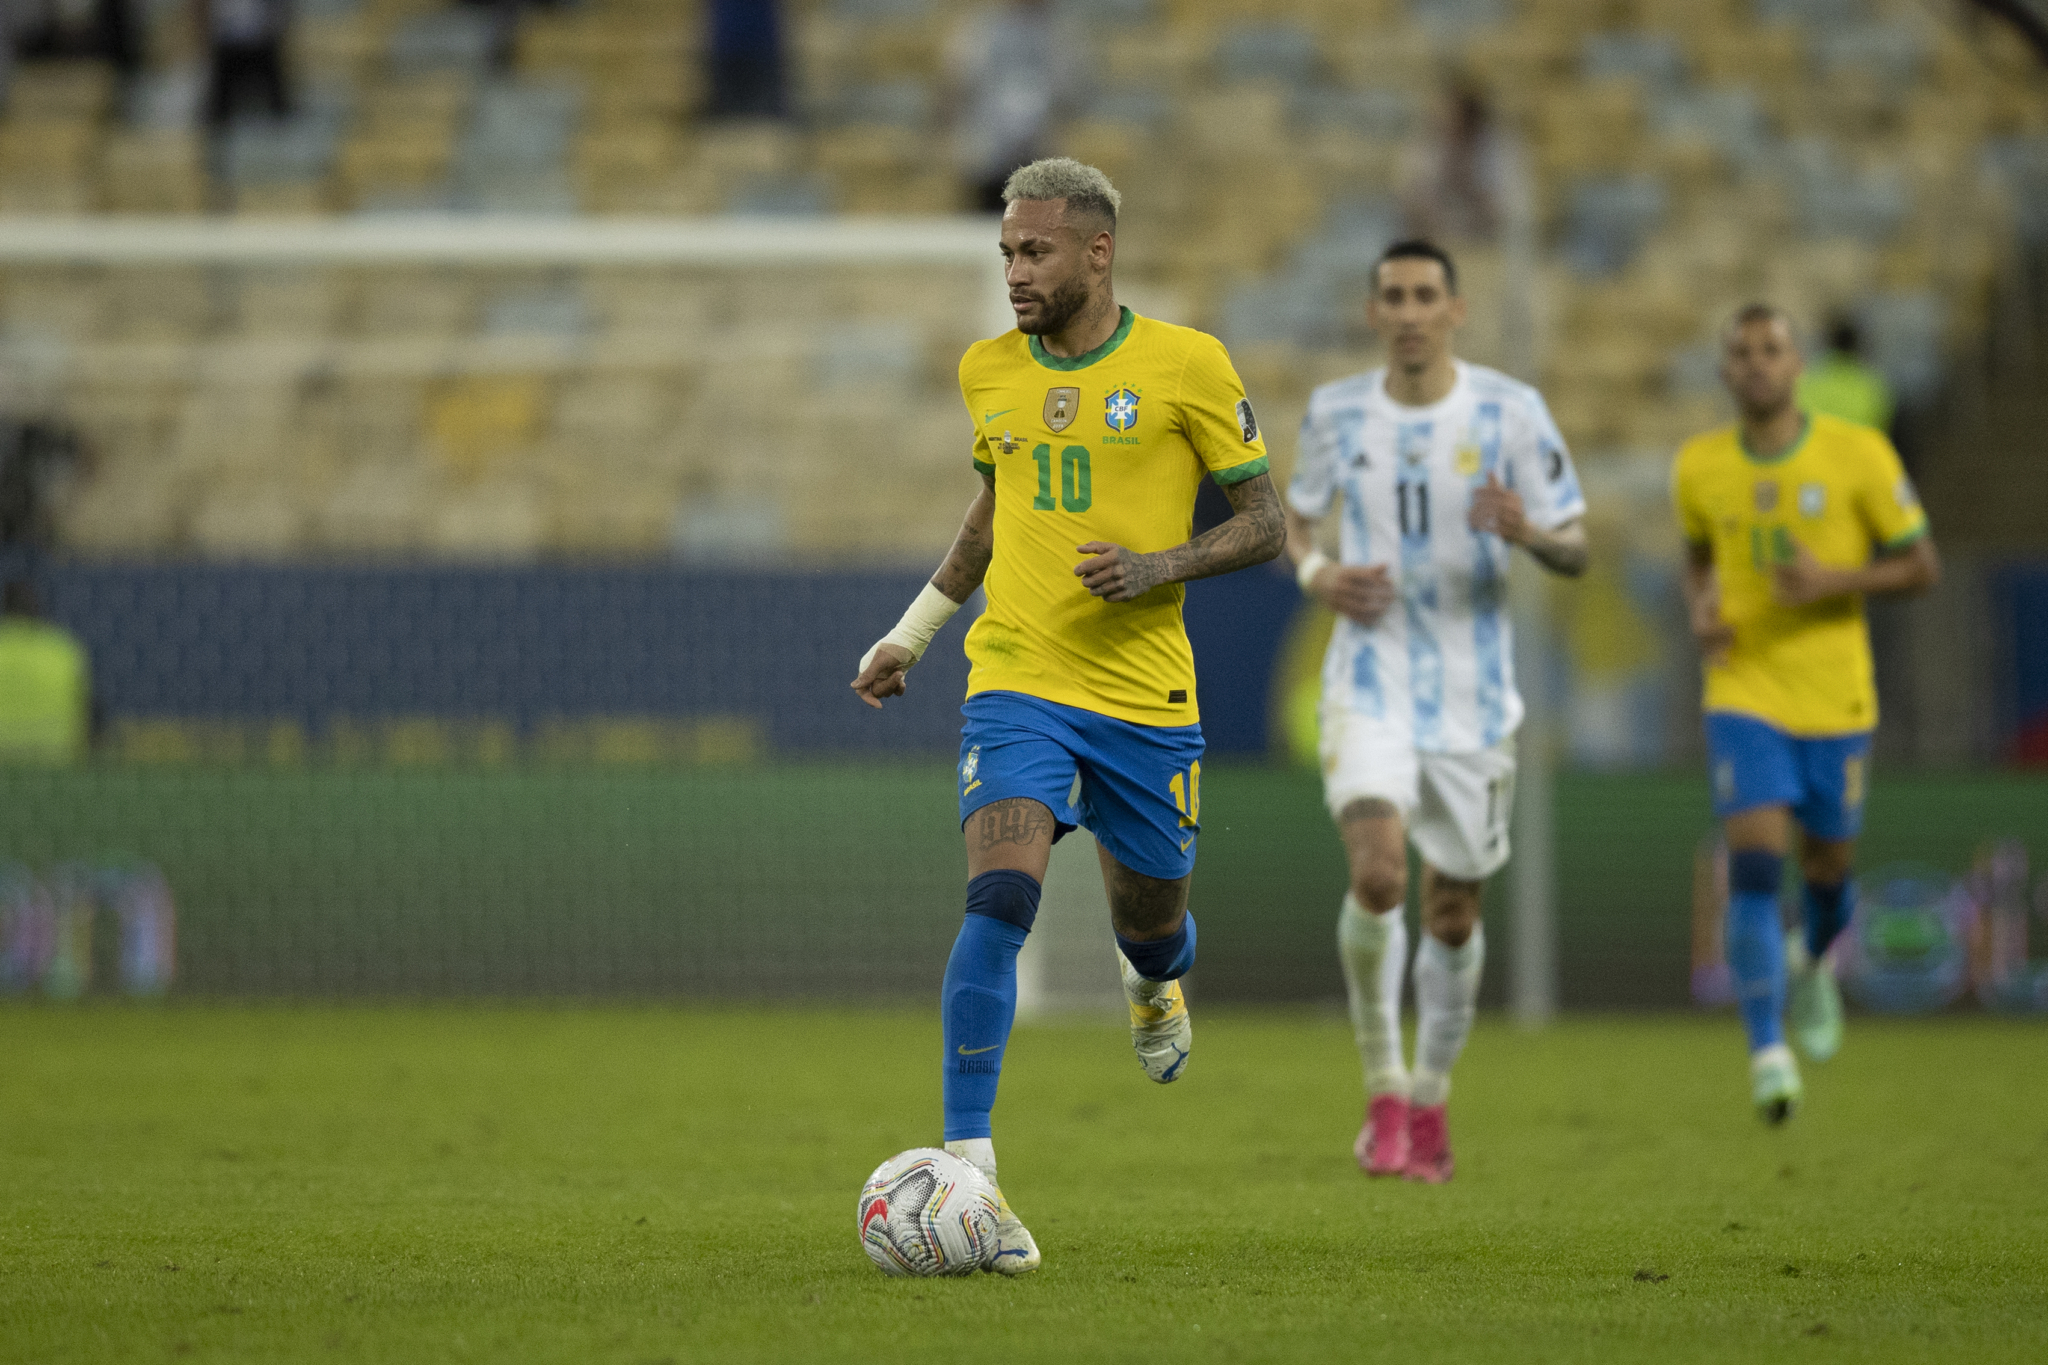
{"points": [[1108, 446], [1841, 493]]}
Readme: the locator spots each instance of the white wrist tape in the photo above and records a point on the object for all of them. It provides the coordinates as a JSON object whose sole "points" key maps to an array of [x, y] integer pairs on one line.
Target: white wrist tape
{"points": [[1310, 567], [931, 610]]}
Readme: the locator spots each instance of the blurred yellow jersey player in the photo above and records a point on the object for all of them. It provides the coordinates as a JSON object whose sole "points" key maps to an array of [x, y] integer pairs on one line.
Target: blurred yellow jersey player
{"points": [[1109, 446], [1791, 518], [1841, 495]]}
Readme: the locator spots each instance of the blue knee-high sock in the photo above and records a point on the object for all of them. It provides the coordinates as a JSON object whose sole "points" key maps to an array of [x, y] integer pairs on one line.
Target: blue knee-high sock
{"points": [[1828, 909], [1756, 943], [1163, 959], [979, 998]]}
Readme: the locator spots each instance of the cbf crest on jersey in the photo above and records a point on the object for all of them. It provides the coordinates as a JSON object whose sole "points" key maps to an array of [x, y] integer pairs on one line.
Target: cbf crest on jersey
{"points": [[1062, 406], [1120, 410]]}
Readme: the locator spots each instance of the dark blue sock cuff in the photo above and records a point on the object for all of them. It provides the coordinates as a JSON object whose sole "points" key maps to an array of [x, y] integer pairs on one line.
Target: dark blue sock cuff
{"points": [[1162, 959], [1755, 872], [1006, 895], [1825, 897]]}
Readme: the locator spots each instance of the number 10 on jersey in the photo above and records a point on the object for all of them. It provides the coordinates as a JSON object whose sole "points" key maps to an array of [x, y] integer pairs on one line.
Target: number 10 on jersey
{"points": [[1077, 481]]}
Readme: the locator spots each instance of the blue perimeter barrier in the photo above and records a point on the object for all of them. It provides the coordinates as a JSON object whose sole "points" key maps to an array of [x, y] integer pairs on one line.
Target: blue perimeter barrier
{"points": [[321, 647]]}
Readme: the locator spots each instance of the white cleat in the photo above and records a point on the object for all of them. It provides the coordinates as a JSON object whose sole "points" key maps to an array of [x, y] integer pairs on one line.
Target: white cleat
{"points": [[1814, 1001], [1016, 1253], [1161, 1031]]}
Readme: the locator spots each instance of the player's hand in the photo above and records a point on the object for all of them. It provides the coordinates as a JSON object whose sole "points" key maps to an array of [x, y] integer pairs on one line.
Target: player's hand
{"points": [[1713, 635], [1362, 592], [1499, 509], [1114, 573], [887, 675], [1805, 580]]}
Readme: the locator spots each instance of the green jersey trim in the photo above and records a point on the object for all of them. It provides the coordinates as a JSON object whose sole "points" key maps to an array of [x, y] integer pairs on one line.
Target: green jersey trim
{"points": [[1238, 473], [1904, 538], [988, 469], [1082, 362], [1805, 430]]}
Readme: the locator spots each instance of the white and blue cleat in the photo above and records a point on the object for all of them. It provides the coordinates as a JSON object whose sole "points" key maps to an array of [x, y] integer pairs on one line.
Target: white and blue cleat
{"points": [[1016, 1253], [1161, 1032]]}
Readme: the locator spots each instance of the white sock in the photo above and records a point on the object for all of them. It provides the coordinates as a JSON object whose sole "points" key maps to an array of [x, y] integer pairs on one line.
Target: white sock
{"points": [[1446, 993], [979, 1153], [1374, 952]]}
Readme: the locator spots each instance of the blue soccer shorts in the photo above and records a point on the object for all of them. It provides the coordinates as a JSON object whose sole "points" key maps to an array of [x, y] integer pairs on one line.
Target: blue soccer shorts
{"points": [[1141, 785], [1754, 763]]}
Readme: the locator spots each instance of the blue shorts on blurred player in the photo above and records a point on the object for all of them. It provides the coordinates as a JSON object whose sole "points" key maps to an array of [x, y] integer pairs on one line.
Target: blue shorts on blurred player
{"points": [[1754, 763], [1140, 785]]}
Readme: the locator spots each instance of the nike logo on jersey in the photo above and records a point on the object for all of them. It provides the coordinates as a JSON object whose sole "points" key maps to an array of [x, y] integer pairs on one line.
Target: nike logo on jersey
{"points": [[1185, 842], [990, 417], [966, 1051]]}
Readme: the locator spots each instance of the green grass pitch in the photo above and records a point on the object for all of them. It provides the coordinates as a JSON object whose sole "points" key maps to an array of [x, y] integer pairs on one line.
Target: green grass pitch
{"points": [[481, 1183]]}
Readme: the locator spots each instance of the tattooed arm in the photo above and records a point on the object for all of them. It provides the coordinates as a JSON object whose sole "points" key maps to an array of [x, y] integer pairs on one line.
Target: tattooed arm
{"points": [[967, 562], [1255, 533], [882, 671]]}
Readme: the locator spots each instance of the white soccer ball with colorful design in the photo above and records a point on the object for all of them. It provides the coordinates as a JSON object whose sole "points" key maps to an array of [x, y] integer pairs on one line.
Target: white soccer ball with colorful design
{"points": [[927, 1212]]}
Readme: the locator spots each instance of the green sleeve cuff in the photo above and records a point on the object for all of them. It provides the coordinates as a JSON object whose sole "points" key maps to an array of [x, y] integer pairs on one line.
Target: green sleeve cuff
{"points": [[1902, 540], [987, 469], [1238, 473]]}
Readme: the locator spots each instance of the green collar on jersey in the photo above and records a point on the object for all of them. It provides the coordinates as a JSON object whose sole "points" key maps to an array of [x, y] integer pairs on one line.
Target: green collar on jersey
{"points": [[1805, 430], [1082, 362]]}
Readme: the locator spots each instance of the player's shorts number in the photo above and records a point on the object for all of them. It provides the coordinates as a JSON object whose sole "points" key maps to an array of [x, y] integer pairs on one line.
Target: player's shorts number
{"points": [[1187, 794], [1077, 482]]}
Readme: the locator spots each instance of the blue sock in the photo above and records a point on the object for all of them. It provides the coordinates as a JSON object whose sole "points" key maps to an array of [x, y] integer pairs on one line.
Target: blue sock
{"points": [[978, 1001], [1828, 909], [1163, 959], [1756, 943]]}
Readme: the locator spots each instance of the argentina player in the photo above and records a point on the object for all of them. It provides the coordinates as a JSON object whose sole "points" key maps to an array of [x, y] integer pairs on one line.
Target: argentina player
{"points": [[1443, 467]]}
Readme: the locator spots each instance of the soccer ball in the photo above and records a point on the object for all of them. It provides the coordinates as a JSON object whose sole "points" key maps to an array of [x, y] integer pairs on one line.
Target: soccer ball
{"points": [[927, 1212]]}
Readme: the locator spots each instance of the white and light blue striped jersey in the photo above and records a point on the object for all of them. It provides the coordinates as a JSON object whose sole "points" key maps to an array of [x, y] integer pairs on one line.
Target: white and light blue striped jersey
{"points": [[1441, 661]]}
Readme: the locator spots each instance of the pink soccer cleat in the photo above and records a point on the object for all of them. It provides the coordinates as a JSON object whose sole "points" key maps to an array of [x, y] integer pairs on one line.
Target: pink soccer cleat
{"points": [[1382, 1146], [1429, 1145]]}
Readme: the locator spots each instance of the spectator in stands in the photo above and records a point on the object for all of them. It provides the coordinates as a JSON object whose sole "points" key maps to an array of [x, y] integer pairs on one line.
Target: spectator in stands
{"points": [[1458, 183], [744, 63], [103, 30], [44, 684], [1011, 73], [38, 461], [245, 46], [1842, 385]]}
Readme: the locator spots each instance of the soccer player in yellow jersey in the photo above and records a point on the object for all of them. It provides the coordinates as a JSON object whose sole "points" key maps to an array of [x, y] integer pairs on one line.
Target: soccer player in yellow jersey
{"points": [[1790, 519], [1094, 429]]}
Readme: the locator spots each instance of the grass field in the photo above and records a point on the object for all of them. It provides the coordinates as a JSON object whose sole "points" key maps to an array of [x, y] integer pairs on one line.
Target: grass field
{"points": [[480, 1183]]}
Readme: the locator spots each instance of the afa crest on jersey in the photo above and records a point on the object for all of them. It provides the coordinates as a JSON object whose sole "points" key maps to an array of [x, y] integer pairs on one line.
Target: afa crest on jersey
{"points": [[1120, 410]]}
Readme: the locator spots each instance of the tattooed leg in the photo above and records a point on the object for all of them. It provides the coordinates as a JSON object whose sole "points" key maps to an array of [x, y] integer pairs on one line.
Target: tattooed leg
{"points": [[1015, 835]]}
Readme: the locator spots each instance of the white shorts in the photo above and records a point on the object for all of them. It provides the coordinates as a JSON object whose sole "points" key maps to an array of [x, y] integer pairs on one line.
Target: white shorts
{"points": [[1456, 806]]}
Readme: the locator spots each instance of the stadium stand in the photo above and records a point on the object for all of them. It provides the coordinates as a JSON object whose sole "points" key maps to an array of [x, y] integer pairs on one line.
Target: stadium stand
{"points": [[1670, 146]]}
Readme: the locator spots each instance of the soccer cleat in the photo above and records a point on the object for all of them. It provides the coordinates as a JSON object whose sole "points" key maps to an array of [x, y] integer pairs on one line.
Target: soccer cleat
{"points": [[1382, 1146], [1016, 1253], [1774, 1083], [1429, 1145], [1815, 1003], [1160, 1028]]}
